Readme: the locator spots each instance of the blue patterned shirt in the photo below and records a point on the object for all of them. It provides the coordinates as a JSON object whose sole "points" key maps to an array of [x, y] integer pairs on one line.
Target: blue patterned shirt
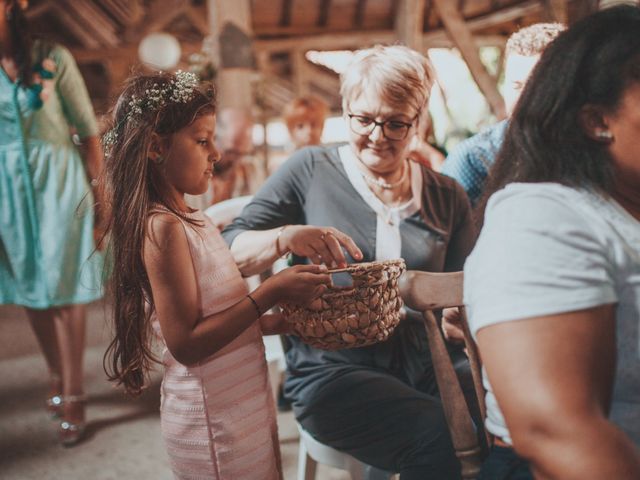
{"points": [[469, 162]]}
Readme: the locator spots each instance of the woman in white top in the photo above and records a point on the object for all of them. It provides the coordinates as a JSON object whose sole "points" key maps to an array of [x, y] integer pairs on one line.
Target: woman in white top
{"points": [[553, 283]]}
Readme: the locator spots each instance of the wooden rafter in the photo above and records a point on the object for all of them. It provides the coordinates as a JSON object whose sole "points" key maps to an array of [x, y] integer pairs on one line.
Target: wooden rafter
{"points": [[86, 37], [198, 21], [323, 13], [91, 17], [38, 10], [285, 17], [127, 12], [160, 14], [505, 15], [461, 35], [358, 16]]}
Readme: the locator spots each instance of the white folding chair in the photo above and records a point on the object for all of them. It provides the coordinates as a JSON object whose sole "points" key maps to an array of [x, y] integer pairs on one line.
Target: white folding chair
{"points": [[311, 452]]}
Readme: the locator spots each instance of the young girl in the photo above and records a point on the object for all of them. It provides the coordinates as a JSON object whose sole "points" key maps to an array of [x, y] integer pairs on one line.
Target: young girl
{"points": [[172, 270]]}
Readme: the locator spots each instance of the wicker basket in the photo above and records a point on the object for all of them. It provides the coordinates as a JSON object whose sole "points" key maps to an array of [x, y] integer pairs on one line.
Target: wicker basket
{"points": [[362, 314]]}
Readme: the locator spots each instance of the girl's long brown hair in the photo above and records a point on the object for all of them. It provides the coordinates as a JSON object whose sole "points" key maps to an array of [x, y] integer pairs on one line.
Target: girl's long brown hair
{"points": [[133, 184]]}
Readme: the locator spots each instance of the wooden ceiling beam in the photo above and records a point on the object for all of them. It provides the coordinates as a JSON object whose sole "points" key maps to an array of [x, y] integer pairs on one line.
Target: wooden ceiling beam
{"points": [[327, 41], [556, 10], [127, 12], [358, 15], [94, 20], [285, 17], [86, 37], [461, 35], [38, 10], [323, 13], [315, 35], [362, 40], [499, 17], [198, 21]]}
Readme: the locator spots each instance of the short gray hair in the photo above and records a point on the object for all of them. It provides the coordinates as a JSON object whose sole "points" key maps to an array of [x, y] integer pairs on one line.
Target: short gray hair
{"points": [[397, 73]]}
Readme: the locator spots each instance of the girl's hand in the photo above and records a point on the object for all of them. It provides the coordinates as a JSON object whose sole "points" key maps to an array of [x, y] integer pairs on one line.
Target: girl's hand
{"points": [[274, 324], [300, 284], [319, 244]]}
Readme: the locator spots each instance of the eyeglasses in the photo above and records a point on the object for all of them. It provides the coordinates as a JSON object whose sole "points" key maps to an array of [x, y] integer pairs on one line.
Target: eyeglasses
{"points": [[391, 129]]}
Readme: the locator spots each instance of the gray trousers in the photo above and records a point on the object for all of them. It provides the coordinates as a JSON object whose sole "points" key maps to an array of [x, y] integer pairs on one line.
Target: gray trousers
{"points": [[383, 421]]}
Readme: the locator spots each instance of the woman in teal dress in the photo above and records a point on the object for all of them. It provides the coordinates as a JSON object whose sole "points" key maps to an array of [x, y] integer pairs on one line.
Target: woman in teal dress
{"points": [[48, 262]]}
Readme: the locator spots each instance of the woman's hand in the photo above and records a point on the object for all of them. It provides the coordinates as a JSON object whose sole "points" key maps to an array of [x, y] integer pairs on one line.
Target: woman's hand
{"points": [[452, 325], [319, 244], [300, 284]]}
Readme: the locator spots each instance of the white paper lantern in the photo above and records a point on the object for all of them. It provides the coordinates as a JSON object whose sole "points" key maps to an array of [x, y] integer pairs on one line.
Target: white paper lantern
{"points": [[160, 50]]}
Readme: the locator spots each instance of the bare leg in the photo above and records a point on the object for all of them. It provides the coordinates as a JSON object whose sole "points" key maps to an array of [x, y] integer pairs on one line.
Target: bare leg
{"points": [[61, 335], [43, 325], [71, 330]]}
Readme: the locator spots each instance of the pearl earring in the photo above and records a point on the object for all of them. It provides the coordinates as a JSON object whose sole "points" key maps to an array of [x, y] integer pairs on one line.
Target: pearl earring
{"points": [[604, 135]]}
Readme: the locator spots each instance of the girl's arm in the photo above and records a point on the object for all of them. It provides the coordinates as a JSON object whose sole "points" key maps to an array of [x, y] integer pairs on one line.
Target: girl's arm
{"points": [[189, 337], [553, 377]]}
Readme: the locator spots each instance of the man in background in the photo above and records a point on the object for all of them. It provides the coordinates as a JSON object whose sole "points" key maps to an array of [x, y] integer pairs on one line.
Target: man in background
{"points": [[470, 161]]}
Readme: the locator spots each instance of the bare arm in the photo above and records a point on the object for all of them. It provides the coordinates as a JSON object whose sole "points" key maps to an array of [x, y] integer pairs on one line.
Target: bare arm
{"points": [[92, 155], [254, 251], [189, 337], [552, 377]]}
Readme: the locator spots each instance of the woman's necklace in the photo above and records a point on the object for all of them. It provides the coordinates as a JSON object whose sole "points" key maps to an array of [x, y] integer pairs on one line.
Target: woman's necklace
{"points": [[385, 185]]}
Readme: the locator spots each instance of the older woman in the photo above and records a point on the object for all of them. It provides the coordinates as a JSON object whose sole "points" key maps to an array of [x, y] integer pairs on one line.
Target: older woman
{"points": [[378, 403]]}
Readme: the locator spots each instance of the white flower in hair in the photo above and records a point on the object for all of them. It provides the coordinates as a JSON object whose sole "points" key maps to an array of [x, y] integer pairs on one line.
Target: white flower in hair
{"points": [[180, 89]]}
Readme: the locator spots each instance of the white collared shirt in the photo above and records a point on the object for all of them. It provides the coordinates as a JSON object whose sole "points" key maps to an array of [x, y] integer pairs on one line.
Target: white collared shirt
{"points": [[388, 240]]}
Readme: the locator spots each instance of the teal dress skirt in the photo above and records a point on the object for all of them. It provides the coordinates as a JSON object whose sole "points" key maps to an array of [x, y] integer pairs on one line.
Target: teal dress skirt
{"points": [[47, 251]]}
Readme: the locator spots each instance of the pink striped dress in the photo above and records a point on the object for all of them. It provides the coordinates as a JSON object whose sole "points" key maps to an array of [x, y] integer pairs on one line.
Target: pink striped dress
{"points": [[218, 417]]}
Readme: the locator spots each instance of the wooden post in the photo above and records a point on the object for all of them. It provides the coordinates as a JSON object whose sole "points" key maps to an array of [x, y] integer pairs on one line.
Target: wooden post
{"points": [[300, 71], [410, 23], [230, 21], [461, 36]]}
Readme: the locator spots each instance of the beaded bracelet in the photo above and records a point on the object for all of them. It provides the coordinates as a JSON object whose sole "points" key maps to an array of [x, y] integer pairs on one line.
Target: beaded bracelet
{"points": [[255, 304]]}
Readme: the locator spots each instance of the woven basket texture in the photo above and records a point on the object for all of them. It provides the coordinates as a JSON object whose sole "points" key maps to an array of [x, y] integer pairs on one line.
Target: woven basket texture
{"points": [[362, 314]]}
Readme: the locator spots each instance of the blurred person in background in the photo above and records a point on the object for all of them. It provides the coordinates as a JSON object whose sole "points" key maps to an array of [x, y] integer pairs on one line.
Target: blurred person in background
{"points": [[48, 258], [470, 161]]}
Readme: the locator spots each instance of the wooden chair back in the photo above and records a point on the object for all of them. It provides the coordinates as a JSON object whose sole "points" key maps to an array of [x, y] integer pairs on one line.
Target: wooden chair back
{"points": [[427, 292]]}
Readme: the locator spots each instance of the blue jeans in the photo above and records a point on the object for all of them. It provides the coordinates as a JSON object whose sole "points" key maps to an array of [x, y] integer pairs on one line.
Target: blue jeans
{"points": [[505, 464]]}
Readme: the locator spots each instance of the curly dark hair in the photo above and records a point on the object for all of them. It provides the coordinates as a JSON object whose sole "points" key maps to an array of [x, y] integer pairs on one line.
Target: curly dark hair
{"points": [[132, 185], [591, 63]]}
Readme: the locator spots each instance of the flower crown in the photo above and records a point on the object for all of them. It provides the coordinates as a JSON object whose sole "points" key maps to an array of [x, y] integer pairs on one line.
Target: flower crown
{"points": [[180, 89]]}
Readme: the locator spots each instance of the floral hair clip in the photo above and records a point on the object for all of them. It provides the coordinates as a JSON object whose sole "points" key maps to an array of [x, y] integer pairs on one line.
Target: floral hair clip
{"points": [[179, 90]]}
